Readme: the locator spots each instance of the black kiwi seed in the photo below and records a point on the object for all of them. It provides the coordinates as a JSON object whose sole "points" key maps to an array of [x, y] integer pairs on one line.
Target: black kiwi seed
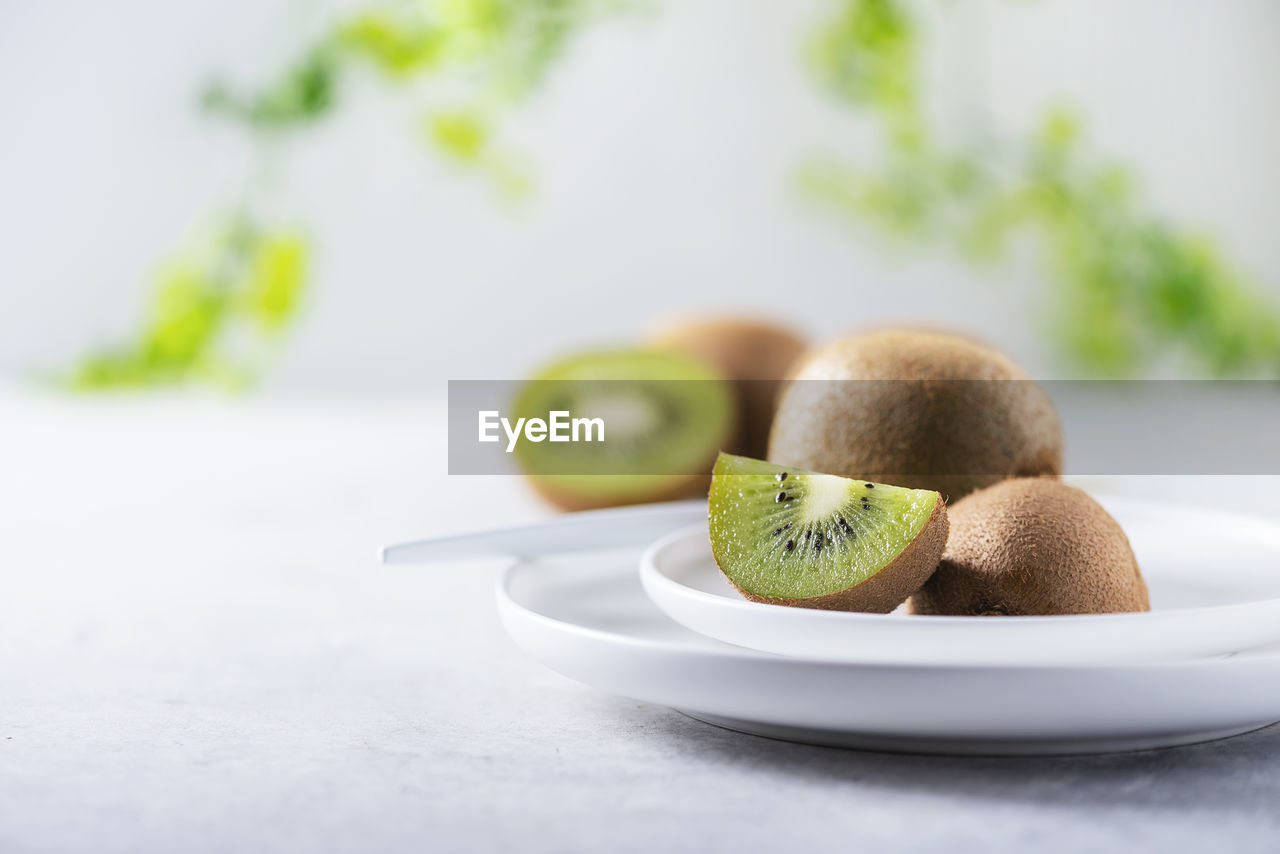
{"points": [[782, 496], [791, 544], [782, 475], [777, 531], [871, 486], [786, 526]]}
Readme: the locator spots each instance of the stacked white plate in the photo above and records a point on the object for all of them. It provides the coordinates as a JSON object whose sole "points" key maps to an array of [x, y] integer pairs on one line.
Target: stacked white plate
{"points": [[664, 627]]}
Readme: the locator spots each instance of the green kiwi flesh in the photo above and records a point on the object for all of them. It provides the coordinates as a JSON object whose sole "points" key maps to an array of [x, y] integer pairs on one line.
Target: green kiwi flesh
{"points": [[666, 416], [757, 355], [793, 537]]}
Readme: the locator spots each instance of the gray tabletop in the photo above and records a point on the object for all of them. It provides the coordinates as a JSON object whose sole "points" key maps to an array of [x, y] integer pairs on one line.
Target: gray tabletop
{"points": [[199, 653]]}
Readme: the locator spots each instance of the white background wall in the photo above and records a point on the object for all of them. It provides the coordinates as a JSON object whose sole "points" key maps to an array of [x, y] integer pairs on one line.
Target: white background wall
{"points": [[665, 148]]}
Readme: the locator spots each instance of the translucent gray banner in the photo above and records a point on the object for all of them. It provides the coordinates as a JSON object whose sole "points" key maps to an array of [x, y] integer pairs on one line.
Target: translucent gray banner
{"points": [[1199, 427]]}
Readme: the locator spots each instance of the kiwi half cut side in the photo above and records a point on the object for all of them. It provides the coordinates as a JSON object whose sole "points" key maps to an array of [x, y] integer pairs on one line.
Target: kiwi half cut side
{"points": [[666, 415], [757, 355], [788, 536]]}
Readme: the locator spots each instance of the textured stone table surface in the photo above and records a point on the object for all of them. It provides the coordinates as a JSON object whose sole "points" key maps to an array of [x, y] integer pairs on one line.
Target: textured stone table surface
{"points": [[198, 652]]}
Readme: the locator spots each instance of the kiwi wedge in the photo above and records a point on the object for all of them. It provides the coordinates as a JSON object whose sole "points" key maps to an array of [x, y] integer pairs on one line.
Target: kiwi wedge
{"points": [[665, 415], [793, 537]]}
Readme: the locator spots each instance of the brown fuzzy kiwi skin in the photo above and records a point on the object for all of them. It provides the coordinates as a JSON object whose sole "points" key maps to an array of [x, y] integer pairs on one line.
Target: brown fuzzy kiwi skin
{"points": [[889, 587], [943, 431], [756, 355], [1033, 547]]}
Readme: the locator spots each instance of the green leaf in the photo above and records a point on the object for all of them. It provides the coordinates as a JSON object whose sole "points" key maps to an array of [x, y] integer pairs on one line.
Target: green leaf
{"points": [[238, 282], [275, 280], [462, 135]]}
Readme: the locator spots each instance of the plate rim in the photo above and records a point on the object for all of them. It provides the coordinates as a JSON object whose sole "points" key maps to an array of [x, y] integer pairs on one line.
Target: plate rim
{"points": [[649, 573], [508, 603], [664, 666]]}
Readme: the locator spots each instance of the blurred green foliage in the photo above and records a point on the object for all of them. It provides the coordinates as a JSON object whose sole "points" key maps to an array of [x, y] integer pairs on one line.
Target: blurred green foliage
{"points": [[1127, 283], [302, 94], [218, 303], [469, 60], [214, 304], [867, 54]]}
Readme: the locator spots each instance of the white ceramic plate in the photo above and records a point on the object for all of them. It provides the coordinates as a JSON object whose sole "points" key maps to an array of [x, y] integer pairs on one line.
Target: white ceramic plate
{"points": [[588, 618], [1214, 580]]}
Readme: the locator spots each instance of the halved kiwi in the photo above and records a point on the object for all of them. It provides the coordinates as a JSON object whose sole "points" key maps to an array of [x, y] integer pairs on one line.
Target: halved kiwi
{"points": [[665, 417], [1033, 546], [793, 537], [757, 355]]}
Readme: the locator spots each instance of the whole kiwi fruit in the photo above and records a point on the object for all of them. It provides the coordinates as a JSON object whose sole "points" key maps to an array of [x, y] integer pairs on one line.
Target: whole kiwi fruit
{"points": [[920, 409], [755, 354], [1032, 546]]}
